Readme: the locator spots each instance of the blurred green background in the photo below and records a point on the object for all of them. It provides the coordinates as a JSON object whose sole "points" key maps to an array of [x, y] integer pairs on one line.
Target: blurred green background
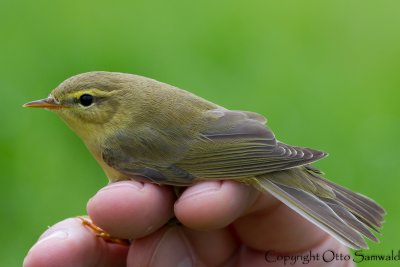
{"points": [[325, 73]]}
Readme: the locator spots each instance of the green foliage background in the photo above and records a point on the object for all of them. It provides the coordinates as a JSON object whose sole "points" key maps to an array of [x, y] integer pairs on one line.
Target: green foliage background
{"points": [[325, 73]]}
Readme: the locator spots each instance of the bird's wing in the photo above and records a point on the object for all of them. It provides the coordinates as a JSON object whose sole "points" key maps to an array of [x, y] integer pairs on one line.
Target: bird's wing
{"points": [[238, 145], [233, 145]]}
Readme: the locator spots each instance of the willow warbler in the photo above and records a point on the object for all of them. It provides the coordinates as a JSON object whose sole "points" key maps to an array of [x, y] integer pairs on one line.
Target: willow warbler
{"points": [[138, 127]]}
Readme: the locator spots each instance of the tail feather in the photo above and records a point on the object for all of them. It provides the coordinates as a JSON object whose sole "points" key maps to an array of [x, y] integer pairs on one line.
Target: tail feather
{"points": [[346, 215], [360, 211], [366, 201], [351, 220], [361, 201], [361, 206]]}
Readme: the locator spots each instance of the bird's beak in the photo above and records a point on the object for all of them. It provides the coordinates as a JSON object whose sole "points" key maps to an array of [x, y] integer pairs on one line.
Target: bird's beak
{"points": [[48, 103]]}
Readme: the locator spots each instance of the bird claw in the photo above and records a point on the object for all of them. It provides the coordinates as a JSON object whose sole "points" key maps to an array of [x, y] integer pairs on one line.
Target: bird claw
{"points": [[101, 233]]}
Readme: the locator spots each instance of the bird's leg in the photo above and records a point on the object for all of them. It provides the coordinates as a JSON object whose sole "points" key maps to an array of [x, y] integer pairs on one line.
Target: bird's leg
{"points": [[101, 233], [178, 190]]}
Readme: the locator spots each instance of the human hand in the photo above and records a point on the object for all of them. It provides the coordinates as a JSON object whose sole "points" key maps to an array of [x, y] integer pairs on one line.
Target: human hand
{"points": [[224, 223]]}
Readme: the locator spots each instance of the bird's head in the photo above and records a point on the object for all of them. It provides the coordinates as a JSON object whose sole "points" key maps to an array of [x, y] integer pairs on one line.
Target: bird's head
{"points": [[91, 103]]}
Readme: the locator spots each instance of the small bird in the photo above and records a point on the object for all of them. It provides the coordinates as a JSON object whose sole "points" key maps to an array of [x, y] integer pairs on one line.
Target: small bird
{"points": [[138, 127]]}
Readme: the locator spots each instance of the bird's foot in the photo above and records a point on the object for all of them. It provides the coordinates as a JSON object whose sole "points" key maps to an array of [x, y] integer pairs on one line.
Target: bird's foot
{"points": [[86, 221]]}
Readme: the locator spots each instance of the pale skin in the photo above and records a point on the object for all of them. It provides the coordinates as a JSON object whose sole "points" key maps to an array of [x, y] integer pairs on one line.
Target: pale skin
{"points": [[224, 223]]}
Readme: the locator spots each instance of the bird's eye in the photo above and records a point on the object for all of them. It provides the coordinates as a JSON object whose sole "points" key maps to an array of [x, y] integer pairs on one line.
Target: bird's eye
{"points": [[86, 100]]}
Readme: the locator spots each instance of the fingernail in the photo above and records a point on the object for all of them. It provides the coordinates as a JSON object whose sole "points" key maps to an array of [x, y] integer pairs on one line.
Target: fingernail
{"points": [[172, 250], [201, 188], [60, 234]]}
